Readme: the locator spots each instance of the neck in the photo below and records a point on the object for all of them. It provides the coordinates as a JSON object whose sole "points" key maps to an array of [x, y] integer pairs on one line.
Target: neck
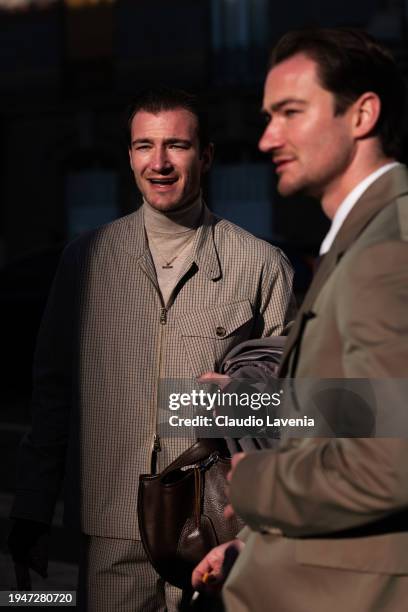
{"points": [[344, 184], [173, 221]]}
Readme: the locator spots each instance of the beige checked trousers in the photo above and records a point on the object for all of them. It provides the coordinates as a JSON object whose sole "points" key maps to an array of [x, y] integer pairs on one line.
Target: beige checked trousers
{"points": [[115, 576]]}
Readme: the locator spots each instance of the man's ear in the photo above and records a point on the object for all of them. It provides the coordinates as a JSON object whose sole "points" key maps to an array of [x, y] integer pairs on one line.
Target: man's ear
{"points": [[367, 109], [207, 156]]}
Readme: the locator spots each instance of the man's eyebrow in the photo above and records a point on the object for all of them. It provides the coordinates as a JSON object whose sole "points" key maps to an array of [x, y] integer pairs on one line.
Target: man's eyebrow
{"points": [[140, 140], [276, 106], [167, 141], [183, 141]]}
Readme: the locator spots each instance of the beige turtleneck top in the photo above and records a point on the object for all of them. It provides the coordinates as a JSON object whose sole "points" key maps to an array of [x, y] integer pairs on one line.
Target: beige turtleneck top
{"points": [[170, 236]]}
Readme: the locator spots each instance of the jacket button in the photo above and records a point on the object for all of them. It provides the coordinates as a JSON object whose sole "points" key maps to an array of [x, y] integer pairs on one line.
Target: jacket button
{"points": [[220, 331]]}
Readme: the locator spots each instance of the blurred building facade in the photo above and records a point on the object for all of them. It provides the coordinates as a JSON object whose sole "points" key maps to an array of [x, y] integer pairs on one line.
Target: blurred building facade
{"points": [[69, 69]]}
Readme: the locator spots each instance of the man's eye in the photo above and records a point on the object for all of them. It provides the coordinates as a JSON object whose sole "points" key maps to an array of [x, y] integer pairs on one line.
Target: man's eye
{"points": [[176, 145], [142, 147], [290, 112]]}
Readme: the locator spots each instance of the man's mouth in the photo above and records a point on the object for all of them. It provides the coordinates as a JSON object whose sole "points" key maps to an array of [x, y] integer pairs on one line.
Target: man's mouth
{"points": [[162, 181], [282, 162]]}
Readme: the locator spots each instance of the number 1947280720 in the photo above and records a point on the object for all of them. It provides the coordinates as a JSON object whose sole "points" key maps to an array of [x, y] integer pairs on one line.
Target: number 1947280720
{"points": [[33, 598]]}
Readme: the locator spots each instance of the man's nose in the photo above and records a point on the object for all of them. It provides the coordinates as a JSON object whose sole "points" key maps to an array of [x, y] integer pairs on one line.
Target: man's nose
{"points": [[272, 138], [160, 161]]}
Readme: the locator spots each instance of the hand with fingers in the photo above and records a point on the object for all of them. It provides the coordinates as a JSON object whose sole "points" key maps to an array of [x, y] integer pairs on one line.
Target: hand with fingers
{"points": [[211, 573], [221, 380]]}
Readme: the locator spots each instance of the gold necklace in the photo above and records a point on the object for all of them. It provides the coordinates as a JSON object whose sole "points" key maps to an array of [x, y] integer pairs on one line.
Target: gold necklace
{"points": [[168, 263]]}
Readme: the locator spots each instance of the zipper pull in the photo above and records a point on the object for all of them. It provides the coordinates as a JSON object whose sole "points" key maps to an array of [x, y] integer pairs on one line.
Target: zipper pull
{"points": [[156, 449], [163, 316], [207, 463], [156, 443]]}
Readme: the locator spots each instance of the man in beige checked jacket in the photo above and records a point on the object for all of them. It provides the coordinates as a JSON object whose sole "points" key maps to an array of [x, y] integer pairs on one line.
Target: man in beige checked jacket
{"points": [[163, 293]]}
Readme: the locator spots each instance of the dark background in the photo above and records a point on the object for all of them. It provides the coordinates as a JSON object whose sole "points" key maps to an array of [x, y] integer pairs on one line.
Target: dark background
{"points": [[68, 70]]}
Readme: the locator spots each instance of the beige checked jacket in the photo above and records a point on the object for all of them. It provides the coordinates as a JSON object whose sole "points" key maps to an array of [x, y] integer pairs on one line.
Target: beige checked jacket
{"points": [[105, 343]]}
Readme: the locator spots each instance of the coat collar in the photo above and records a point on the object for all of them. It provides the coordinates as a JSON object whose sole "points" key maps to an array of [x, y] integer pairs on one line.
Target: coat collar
{"points": [[203, 253], [383, 191]]}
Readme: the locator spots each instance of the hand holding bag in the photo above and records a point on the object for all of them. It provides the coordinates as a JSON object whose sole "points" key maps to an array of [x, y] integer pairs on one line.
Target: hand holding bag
{"points": [[180, 511]]}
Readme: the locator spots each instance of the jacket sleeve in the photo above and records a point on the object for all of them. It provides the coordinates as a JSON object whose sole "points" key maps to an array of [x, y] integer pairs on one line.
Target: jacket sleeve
{"points": [[373, 315], [321, 486], [41, 456], [277, 308]]}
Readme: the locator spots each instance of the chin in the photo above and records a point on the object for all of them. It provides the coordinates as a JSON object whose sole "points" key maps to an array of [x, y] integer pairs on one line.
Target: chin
{"points": [[163, 206], [287, 189]]}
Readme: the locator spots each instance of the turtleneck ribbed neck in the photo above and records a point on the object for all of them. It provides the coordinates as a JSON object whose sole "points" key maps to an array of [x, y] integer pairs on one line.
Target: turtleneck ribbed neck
{"points": [[172, 222], [170, 236]]}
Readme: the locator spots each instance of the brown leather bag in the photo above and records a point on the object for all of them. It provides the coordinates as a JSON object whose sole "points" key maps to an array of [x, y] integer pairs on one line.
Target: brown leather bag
{"points": [[180, 511]]}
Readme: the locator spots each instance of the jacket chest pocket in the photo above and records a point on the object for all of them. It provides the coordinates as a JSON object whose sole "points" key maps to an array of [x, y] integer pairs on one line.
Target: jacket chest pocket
{"points": [[209, 334]]}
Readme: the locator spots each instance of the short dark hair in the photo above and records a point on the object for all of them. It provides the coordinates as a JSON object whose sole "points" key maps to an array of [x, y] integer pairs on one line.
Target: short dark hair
{"points": [[351, 62], [158, 99]]}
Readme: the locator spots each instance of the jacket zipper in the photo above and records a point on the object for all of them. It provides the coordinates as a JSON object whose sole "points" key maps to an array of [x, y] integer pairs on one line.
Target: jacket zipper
{"points": [[156, 446]]}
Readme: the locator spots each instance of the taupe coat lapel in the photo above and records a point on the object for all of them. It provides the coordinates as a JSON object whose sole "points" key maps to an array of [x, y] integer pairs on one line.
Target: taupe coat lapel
{"points": [[388, 187]]}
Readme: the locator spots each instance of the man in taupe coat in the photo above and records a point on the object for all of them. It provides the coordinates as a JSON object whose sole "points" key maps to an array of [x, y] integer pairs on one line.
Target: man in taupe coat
{"points": [[163, 293], [328, 518]]}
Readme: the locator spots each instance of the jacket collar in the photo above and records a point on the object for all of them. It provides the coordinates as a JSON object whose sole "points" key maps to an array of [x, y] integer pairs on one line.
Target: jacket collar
{"points": [[203, 254], [383, 191]]}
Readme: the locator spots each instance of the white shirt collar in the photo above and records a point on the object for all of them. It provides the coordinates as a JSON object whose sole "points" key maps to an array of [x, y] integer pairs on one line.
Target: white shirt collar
{"points": [[349, 202]]}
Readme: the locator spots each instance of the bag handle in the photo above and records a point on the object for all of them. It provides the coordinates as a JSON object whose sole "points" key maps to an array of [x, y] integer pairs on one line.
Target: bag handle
{"points": [[195, 453]]}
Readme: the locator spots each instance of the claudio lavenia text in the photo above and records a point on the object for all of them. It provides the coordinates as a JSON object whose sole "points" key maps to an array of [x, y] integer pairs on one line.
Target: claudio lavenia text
{"points": [[248, 421]]}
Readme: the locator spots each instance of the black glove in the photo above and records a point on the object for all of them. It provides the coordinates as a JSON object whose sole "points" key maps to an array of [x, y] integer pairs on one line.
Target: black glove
{"points": [[28, 545]]}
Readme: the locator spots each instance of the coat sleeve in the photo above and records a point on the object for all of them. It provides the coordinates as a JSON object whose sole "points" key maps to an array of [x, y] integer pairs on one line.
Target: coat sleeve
{"points": [[41, 456], [322, 486], [277, 307], [372, 310], [325, 485]]}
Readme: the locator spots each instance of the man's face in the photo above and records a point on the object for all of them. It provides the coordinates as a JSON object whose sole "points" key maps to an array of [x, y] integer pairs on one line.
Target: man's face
{"points": [[165, 157], [310, 146]]}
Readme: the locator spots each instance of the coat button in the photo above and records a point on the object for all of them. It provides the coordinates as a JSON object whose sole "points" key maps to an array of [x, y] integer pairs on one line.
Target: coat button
{"points": [[220, 331]]}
